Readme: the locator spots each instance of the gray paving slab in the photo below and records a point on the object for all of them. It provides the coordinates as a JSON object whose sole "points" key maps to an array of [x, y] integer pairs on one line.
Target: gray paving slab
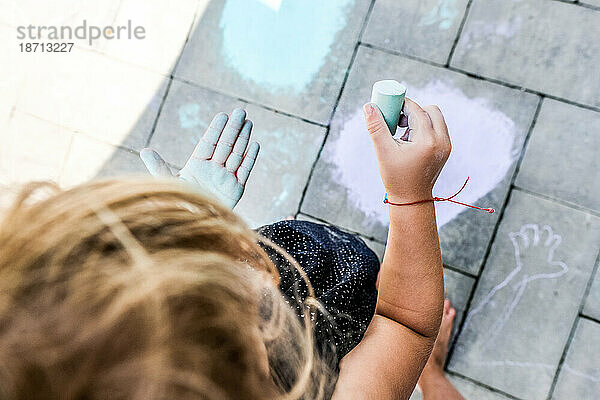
{"points": [[592, 303], [90, 158], [595, 3], [472, 391], [527, 297], [487, 123], [457, 289], [553, 167], [579, 376], [420, 28], [468, 389], [288, 55], [539, 44], [120, 108], [289, 147]]}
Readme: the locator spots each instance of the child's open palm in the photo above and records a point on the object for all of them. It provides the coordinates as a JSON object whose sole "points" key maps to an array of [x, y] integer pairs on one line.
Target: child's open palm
{"points": [[221, 161]]}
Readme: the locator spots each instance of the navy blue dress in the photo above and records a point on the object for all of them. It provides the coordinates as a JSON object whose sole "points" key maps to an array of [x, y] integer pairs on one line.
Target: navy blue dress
{"points": [[341, 269]]}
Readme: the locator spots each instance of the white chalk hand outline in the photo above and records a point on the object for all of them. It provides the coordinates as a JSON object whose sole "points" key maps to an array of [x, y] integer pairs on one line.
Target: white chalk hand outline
{"points": [[534, 238], [221, 161]]}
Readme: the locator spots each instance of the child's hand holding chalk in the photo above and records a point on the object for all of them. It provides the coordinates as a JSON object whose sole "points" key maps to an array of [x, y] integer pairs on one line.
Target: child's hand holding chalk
{"points": [[408, 169]]}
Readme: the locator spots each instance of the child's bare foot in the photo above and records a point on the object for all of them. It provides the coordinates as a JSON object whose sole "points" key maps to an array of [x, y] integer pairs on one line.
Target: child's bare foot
{"points": [[289, 218], [435, 364]]}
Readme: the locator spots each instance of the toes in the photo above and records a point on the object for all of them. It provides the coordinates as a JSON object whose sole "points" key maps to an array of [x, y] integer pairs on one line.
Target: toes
{"points": [[449, 314], [446, 306], [452, 313]]}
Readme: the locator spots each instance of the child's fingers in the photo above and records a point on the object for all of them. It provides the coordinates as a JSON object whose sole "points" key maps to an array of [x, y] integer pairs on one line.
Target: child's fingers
{"points": [[155, 163], [229, 135], [235, 158], [206, 146], [437, 119], [438, 122], [248, 163], [418, 120]]}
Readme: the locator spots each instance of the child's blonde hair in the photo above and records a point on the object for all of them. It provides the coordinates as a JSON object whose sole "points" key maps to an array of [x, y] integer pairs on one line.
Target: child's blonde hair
{"points": [[142, 289]]}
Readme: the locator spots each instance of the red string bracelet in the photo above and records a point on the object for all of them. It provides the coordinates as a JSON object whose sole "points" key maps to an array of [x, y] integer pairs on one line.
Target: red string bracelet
{"points": [[490, 210]]}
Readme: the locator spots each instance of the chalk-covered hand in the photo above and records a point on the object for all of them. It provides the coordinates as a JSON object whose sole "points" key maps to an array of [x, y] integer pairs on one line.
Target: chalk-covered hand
{"points": [[410, 166], [221, 161]]}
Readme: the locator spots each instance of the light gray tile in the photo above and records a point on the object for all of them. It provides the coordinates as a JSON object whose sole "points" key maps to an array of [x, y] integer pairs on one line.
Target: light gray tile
{"points": [[579, 376], [487, 124], [90, 159], [539, 44], [468, 389], [288, 55], [421, 28], [304, 217], [595, 3], [32, 149], [527, 297], [561, 159], [472, 391], [592, 303], [88, 92], [457, 288], [289, 148], [165, 31]]}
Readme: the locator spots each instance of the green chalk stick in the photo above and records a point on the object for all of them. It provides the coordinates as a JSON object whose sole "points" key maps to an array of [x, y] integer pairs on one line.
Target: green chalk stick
{"points": [[388, 95]]}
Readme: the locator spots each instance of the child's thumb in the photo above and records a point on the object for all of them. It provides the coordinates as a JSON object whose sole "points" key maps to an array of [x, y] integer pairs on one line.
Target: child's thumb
{"points": [[155, 163], [380, 133]]}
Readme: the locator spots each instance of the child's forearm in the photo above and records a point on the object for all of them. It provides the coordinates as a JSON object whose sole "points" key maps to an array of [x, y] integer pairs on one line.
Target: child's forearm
{"points": [[411, 285]]}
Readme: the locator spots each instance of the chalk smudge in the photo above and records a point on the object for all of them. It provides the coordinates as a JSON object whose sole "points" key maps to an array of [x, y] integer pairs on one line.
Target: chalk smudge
{"points": [[442, 15], [189, 116], [282, 47], [484, 33], [482, 147], [593, 378]]}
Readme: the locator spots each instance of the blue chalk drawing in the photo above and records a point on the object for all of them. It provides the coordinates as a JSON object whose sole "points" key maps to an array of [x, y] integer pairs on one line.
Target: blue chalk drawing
{"points": [[280, 48], [443, 14], [189, 116]]}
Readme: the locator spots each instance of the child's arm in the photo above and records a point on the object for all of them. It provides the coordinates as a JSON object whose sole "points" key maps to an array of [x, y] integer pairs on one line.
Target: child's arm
{"points": [[221, 161], [388, 361]]}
